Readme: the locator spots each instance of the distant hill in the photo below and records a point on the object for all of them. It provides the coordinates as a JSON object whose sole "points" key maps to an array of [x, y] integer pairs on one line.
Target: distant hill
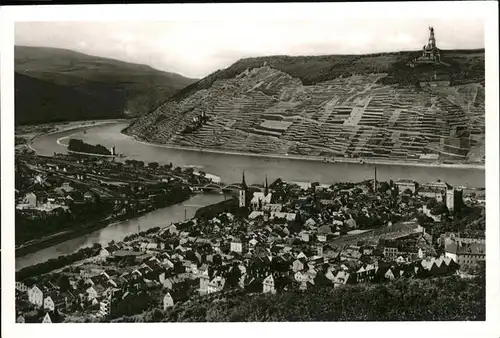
{"points": [[331, 106], [132, 88], [39, 101]]}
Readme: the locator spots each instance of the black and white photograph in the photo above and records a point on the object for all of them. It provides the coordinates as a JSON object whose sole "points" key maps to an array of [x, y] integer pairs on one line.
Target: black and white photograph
{"points": [[221, 166]]}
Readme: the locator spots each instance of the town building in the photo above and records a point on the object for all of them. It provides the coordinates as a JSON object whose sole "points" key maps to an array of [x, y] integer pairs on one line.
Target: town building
{"points": [[168, 301], [465, 253], [35, 296], [31, 199], [268, 285], [236, 245], [47, 319], [435, 190], [48, 304], [216, 284], [405, 184]]}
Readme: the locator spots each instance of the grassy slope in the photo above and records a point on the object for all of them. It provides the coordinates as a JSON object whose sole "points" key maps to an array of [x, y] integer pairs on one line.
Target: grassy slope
{"points": [[137, 88]]}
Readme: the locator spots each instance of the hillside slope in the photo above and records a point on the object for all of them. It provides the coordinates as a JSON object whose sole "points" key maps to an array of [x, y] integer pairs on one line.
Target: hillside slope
{"points": [[136, 88], [433, 299], [38, 101], [331, 106]]}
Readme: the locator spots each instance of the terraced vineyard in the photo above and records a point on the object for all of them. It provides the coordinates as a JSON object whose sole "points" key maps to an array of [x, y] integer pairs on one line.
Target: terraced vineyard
{"points": [[264, 109]]}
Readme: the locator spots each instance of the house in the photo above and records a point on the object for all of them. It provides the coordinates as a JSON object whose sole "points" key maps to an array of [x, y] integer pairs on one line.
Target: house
{"points": [[438, 266], [390, 274], [104, 308], [48, 304], [341, 278], [466, 253], [405, 184], [204, 280], [175, 282], [35, 296], [268, 285], [168, 301], [104, 253], [31, 199], [391, 251], [310, 222], [253, 242], [100, 279], [89, 196], [350, 253], [236, 246], [47, 319], [21, 287], [216, 285], [365, 273], [272, 207], [95, 291], [298, 265], [305, 236], [259, 200], [289, 216]]}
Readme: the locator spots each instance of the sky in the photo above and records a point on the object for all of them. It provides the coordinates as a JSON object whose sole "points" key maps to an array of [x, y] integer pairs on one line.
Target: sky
{"points": [[198, 48]]}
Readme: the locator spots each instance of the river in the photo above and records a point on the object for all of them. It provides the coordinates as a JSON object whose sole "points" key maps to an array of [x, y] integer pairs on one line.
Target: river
{"points": [[229, 168], [119, 230]]}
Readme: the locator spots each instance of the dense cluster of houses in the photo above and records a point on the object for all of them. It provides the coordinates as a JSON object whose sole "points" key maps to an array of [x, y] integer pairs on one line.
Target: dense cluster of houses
{"points": [[175, 267], [293, 239]]}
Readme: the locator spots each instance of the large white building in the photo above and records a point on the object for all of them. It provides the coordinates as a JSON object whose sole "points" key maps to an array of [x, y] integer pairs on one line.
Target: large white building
{"points": [[35, 296]]}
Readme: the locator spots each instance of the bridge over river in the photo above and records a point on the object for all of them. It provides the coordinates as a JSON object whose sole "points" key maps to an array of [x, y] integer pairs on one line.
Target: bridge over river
{"points": [[221, 188]]}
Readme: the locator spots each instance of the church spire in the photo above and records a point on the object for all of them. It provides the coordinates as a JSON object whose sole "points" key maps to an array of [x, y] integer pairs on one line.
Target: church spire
{"points": [[266, 188], [243, 183], [243, 192]]}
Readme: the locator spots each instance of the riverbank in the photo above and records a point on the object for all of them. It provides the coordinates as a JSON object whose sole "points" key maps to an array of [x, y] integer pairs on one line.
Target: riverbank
{"points": [[59, 238], [360, 161], [73, 126], [74, 233]]}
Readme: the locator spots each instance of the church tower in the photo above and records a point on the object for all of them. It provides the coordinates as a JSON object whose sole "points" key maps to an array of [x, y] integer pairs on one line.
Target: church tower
{"points": [[450, 199], [243, 192]]}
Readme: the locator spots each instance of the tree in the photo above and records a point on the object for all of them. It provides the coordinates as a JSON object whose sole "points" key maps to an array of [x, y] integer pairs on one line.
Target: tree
{"points": [[63, 283], [233, 276], [408, 192], [440, 209], [153, 165], [384, 186]]}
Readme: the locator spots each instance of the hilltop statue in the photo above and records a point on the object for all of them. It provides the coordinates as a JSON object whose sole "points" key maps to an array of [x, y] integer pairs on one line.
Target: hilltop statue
{"points": [[430, 52]]}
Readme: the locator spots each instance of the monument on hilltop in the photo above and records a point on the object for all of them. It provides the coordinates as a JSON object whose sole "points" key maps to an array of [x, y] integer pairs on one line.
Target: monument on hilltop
{"points": [[430, 53]]}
